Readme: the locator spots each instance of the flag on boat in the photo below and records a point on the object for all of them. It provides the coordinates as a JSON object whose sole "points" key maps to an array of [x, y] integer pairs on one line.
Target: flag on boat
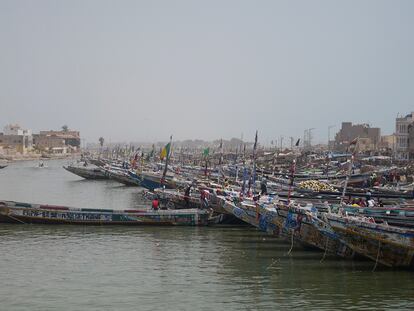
{"points": [[165, 151], [354, 142], [206, 152], [297, 143]]}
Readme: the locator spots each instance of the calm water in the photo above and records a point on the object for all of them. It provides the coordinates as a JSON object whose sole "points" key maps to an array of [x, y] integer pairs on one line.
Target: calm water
{"points": [[167, 268]]}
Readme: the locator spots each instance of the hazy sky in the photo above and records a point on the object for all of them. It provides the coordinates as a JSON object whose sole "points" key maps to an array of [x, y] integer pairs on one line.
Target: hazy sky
{"points": [[142, 70]]}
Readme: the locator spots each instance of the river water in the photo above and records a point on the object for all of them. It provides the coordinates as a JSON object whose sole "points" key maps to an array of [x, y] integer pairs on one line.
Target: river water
{"points": [[167, 268]]}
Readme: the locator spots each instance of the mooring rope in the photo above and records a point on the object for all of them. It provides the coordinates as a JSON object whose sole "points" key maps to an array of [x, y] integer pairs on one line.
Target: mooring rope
{"points": [[376, 260], [273, 262], [326, 250], [291, 245]]}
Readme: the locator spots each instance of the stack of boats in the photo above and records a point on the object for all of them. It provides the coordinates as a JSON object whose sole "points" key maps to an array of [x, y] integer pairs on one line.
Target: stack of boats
{"points": [[344, 215], [338, 230]]}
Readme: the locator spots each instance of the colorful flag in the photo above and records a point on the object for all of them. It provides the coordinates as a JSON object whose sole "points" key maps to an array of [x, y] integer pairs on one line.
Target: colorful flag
{"points": [[165, 151], [354, 142], [206, 152]]}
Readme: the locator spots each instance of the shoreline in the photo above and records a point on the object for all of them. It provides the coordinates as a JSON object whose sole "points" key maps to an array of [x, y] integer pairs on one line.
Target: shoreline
{"points": [[35, 157]]}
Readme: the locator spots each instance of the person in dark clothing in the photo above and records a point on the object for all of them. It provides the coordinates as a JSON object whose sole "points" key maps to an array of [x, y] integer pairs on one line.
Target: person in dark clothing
{"points": [[263, 186], [187, 195]]}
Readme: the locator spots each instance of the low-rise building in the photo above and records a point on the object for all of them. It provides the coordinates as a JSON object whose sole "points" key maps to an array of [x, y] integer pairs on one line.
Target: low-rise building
{"points": [[402, 141], [369, 137], [47, 142], [14, 136], [71, 138], [387, 143]]}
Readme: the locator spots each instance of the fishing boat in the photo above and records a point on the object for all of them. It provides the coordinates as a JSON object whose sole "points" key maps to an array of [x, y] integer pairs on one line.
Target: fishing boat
{"points": [[294, 223], [302, 224], [87, 173], [122, 177], [251, 215], [399, 216], [41, 164], [388, 245], [27, 213], [153, 181]]}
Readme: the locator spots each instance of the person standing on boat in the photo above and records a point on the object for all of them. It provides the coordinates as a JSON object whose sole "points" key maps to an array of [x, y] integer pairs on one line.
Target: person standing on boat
{"points": [[263, 186], [368, 196], [204, 198], [187, 195]]}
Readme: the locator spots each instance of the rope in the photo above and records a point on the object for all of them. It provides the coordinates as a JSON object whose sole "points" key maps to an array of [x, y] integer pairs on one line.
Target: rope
{"points": [[291, 245], [326, 250], [16, 219], [273, 262], [376, 260]]}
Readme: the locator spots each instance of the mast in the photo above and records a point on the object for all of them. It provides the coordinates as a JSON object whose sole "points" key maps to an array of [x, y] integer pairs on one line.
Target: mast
{"points": [[293, 171], [244, 170], [292, 178], [351, 164], [254, 164]]}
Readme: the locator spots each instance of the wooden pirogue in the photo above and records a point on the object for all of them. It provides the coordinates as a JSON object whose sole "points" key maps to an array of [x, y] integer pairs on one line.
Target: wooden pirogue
{"points": [[17, 212]]}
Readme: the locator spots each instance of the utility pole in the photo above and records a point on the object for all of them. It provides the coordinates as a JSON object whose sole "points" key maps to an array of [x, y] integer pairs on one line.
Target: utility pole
{"points": [[309, 138], [305, 135]]}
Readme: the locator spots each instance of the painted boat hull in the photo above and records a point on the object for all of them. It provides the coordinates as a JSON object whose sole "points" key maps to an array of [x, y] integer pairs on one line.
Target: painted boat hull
{"points": [[151, 182], [310, 231], [87, 173], [15, 212], [390, 246], [123, 178]]}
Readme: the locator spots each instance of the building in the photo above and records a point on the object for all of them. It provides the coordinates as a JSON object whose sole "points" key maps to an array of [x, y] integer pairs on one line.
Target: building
{"points": [[369, 137], [71, 138], [387, 143], [411, 141], [15, 137], [48, 142], [402, 142]]}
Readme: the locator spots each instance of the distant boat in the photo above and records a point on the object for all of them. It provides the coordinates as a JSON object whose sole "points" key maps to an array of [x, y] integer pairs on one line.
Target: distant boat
{"points": [[153, 181], [42, 165], [87, 173], [3, 166], [26, 213], [122, 177]]}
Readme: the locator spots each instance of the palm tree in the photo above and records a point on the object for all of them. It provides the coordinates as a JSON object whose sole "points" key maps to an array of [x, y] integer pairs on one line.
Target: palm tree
{"points": [[101, 141], [65, 128]]}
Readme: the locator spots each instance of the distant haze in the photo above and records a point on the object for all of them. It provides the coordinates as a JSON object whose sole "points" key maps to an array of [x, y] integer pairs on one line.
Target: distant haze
{"points": [[143, 70]]}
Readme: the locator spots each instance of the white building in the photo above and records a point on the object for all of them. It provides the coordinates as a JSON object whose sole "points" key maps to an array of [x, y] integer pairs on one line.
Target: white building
{"points": [[14, 136], [402, 125], [15, 129]]}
